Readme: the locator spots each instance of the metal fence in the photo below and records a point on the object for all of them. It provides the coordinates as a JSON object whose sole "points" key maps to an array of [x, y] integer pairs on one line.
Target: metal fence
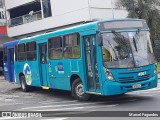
{"points": [[25, 19], [3, 24]]}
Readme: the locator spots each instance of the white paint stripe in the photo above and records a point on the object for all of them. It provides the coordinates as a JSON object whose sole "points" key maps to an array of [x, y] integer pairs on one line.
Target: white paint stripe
{"points": [[16, 96], [10, 118], [145, 92], [59, 102], [46, 101], [12, 104], [60, 105], [154, 89], [75, 108]]}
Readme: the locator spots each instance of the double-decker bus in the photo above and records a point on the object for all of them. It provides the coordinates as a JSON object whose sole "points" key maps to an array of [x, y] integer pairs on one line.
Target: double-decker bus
{"points": [[107, 57]]}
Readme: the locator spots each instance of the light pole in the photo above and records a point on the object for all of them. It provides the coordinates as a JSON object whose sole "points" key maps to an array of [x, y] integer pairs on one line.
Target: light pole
{"points": [[112, 8], [133, 9], [41, 2]]}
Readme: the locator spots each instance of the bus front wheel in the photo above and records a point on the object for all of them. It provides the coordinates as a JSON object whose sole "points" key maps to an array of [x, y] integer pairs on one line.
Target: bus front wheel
{"points": [[24, 86], [78, 91]]}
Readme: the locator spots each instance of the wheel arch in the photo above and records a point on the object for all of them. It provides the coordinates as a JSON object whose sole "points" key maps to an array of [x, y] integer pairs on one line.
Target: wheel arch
{"points": [[21, 74], [73, 78]]}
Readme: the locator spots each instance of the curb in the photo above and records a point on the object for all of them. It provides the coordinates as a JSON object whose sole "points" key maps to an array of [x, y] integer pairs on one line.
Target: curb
{"points": [[1, 78]]}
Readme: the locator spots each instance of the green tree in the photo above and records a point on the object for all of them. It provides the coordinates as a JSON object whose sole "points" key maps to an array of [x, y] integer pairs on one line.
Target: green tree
{"points": [[144, 9]]}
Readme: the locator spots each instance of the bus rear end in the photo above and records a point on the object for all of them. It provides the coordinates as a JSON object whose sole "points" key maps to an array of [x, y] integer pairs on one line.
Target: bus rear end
{"points": [[128, 61], [8, 60]]}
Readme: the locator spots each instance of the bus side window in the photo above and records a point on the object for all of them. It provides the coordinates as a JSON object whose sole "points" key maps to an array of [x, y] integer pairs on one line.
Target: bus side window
{"points": [[106, 55], [31, 51], [72, 46], [55, 48], [21, 52], [5, 54]]}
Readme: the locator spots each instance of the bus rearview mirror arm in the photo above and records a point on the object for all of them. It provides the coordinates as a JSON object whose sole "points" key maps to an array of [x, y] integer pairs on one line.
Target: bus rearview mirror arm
{"points": [[100, 39]]}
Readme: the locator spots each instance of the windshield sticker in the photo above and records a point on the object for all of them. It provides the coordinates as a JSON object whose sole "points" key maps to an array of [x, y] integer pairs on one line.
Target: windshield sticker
{"points": [[131, 34], [28, 74], [60, 68], [137, 62]]}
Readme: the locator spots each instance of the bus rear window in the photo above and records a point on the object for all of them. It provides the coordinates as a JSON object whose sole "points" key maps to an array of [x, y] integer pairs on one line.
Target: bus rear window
{"points": [[5, 54], [55, 48], [31, 51], [72, 46], [21, 52]]}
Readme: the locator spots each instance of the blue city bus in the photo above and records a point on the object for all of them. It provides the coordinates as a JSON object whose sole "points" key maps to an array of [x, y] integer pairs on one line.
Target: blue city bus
{"points": [[108, 57], [8, 60]]}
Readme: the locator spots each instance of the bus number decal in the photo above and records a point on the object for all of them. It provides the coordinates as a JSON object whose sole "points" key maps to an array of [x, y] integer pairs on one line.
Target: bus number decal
{"points": [[142, 73]]}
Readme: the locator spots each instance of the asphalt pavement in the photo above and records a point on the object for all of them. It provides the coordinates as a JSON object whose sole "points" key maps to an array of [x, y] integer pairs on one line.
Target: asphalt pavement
{"points": [[63, 107]]}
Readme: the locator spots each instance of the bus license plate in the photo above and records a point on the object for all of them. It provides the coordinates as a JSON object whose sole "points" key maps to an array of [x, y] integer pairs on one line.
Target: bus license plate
{"points": [[136, 86]]}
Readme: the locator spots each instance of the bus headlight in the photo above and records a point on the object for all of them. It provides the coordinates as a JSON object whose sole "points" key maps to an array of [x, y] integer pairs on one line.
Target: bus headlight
{"points": [[108, 74], [155, 69]]}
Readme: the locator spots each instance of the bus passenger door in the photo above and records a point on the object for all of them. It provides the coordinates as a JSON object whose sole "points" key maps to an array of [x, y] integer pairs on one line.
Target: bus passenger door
{"points": [[11, 64], [43, 63], [91, 63]]}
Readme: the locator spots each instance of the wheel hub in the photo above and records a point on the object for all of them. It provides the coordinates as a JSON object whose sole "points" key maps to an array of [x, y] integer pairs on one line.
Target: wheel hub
{"points": [[79, 90], [23, 86]]}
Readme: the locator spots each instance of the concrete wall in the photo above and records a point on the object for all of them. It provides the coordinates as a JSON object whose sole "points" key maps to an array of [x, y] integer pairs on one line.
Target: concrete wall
{"points": [[102, 9], [65, 12], [48, 23], [14, 3]]}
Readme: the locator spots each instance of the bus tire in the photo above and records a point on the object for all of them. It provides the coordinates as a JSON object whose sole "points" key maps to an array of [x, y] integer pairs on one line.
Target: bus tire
{"points": [[24, 86], [78, 91]]}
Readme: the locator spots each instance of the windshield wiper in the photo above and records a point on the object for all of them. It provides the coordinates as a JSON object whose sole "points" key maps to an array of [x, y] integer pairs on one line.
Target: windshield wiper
{"points": [[135, 45], [134, 40]]}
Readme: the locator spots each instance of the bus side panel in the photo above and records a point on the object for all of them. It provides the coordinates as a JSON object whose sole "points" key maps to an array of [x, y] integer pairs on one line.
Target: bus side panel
{"points": [[35, 75], [18, 70], [60, 72], [30, 70], [58, 77]]}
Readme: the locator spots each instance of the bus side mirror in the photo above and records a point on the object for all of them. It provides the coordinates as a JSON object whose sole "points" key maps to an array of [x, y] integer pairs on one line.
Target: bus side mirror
{"points": [[100, 39]]}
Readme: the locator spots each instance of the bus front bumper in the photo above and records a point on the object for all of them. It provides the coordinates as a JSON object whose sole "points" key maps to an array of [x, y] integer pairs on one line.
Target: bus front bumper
{"points": [[115, 88]]}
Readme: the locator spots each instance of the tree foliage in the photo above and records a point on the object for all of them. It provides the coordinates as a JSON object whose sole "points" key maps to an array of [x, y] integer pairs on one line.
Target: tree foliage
{"points": [[144, 9]]}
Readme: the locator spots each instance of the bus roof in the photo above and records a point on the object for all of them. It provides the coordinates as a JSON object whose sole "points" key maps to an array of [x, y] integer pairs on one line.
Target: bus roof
{"points": [[11, 43], [74, 29]]}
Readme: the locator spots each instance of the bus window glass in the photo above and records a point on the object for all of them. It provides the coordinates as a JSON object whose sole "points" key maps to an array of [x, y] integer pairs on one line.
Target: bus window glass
{"points": [[55, 48], [5, 54], [127, 49], [21, 52], [117, 51], [31, 51], [16, 53], [72, 46]]}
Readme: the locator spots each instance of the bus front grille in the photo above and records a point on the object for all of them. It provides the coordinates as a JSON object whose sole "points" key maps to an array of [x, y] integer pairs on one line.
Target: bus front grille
{"points": [[134, 79]]}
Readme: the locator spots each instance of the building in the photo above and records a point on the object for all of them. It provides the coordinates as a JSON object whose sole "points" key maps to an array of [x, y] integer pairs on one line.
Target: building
{"points": [[2, 13], [3, 31], [30, 17]]}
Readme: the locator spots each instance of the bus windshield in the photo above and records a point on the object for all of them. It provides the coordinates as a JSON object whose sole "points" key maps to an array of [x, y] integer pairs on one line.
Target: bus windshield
{"points": [[127, 49]]}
